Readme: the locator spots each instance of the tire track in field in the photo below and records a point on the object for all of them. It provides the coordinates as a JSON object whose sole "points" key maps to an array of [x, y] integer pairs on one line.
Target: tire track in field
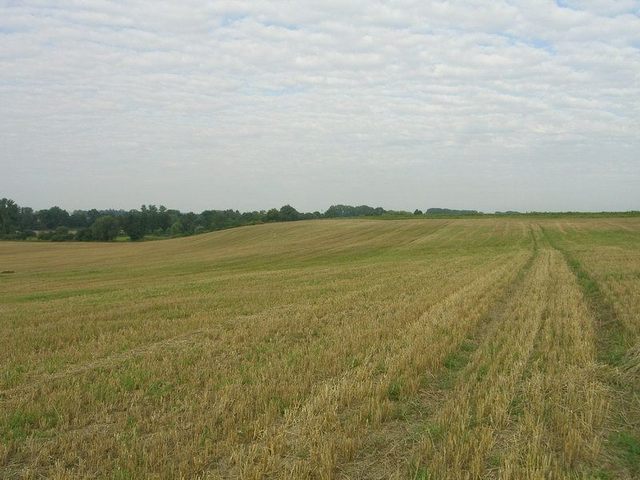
{"points": [[612, 347], [556, 416], [459, 431], [530, 403], [384, 451], [615, 349], [317, 426]]}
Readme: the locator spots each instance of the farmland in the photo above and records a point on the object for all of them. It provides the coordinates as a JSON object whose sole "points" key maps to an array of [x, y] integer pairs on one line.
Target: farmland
{"points": [[477, 348]]}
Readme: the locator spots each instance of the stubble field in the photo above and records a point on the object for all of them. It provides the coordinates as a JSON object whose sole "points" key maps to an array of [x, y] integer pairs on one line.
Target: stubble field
{"points": [[424, 349]]}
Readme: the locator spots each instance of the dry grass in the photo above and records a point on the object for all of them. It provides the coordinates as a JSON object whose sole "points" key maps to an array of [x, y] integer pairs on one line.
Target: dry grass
{"points": [[324, 349]]}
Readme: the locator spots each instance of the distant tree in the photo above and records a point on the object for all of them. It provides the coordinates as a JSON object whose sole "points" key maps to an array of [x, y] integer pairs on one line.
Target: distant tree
{"points": [[27, 219], [9, 216], [155, 217], [164, 219], [105, 228], [417, 212], [273, 215], [189, 222], [79, 219], [134, 225], [288, 213], [209, 219], [53, 217], [176, 229], [337, 211], [449, 211], [61, 234], [174, 216], [105, 225], [84, 235], [350, 211], [92, 216]]}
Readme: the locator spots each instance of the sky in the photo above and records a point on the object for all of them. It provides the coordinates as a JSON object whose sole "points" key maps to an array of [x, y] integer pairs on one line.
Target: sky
{"points": [[487, 105]]}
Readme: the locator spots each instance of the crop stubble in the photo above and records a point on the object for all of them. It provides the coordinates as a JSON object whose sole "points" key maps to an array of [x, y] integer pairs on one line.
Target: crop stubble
{"points": [[484, 348]]}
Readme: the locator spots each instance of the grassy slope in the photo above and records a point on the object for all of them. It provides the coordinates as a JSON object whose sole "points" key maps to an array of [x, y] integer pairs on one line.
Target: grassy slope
{"points": [[428, 348]]}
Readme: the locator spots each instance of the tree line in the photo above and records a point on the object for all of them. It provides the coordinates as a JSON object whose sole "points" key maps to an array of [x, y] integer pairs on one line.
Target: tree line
{"points": [[57, 224], [151, 221]]}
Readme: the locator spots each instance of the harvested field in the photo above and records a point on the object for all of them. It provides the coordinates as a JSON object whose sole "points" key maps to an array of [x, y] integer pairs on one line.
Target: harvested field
{"points": [[422, 349]]}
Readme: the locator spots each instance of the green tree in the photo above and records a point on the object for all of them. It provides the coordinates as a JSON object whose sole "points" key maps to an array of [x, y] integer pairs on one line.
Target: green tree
{"points": [[164, 218], [92, 216], [79, 219], [61, 234], [188, 221], [134, 225], [350, 211], [84, 235], [8, 216], [176, 229], [288, 213], [273, 215], [27, 219], [53, 217], [105, 228]]}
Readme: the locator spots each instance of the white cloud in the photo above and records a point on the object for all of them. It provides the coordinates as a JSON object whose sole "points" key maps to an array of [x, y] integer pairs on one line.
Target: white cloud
{"points": [[264, 103]]}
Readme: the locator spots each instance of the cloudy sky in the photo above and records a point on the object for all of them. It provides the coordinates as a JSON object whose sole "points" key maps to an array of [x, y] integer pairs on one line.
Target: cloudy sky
{"points": [[492, 105]]}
